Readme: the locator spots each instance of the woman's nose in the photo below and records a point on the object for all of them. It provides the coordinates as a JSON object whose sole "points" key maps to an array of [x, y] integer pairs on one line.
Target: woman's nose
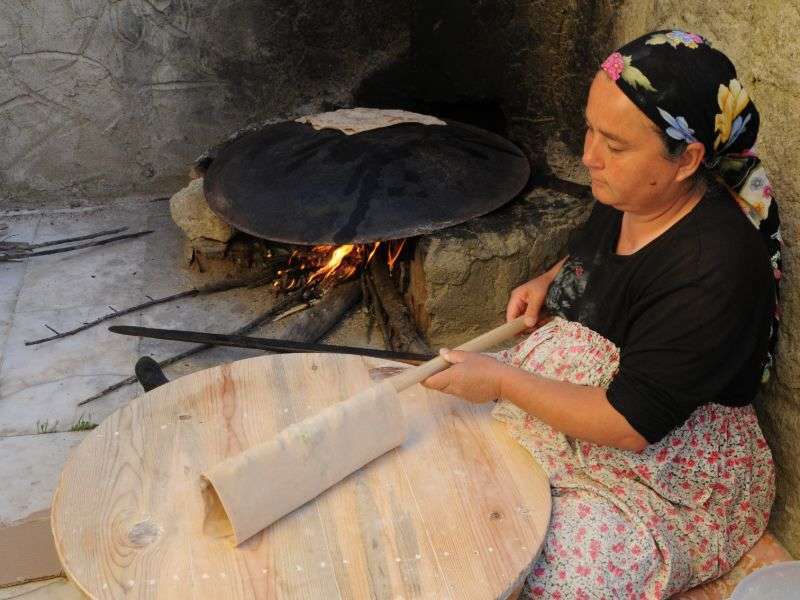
{"points": [[591, 156]]}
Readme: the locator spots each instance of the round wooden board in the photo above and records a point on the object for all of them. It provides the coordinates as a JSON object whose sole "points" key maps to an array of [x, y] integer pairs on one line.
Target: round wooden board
{"points": [[460, 510]]}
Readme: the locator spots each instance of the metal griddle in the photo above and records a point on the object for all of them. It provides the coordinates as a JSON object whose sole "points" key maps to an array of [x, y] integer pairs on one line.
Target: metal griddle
{"points": [[290, 183]]}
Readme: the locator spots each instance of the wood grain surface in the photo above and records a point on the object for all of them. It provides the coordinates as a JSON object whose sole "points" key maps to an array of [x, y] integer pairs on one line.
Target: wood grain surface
{"points": [[460, 510]]}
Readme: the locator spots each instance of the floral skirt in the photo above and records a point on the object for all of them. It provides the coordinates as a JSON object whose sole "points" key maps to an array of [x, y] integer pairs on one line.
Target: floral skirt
{"points": [[638, 525]]}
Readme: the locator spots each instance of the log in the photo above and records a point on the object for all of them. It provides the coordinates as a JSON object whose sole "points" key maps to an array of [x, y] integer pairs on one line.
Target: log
{"points": [[377, 313], [403, 333], [315, 322]]}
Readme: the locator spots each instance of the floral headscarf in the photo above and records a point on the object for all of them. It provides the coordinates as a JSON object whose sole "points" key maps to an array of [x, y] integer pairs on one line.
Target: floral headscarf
{"points": [[690, 91]]}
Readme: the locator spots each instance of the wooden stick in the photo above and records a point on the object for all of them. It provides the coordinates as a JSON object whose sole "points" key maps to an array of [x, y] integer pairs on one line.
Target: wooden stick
{"points": [[127, 236], [23, 246], [275, 310], [203, 290], [481, 343], [314, 323]]}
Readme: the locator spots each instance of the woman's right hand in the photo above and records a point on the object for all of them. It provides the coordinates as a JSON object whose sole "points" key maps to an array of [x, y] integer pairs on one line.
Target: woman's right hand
{"points": [[529, 297]]}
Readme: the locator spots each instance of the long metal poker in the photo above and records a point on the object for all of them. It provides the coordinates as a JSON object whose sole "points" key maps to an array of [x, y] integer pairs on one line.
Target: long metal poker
{"points": [[269, 344]]}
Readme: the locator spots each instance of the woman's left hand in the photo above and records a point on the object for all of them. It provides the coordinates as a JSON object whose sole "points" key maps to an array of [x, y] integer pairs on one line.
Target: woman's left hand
{"points": [[473, 376]]}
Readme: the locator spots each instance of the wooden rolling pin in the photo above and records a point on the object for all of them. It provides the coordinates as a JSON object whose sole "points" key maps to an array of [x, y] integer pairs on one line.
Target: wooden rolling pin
{"points": [[250, 491]]}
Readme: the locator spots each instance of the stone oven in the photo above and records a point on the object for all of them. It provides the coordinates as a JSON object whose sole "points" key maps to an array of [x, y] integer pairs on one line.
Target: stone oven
{"points": [[452, 204], [498, 66]]}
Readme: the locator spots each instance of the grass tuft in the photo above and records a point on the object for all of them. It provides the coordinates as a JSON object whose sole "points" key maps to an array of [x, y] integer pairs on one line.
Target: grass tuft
{"points": [[46, 427], [83, 424]]}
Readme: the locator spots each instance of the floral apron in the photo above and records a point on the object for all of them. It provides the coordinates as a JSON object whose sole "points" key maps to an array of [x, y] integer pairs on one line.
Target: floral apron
{"points": [[638, 525]]}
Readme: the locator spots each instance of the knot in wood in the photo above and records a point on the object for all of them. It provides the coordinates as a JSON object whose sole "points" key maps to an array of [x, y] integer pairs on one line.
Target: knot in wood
{"points": [[144, 533]]}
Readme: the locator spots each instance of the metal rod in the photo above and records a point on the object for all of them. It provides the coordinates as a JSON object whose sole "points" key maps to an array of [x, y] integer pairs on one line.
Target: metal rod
{"points": [[272, 345]]}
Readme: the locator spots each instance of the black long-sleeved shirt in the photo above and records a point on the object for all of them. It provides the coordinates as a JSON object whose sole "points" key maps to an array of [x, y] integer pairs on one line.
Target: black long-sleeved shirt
{"points": [[690, 311]]}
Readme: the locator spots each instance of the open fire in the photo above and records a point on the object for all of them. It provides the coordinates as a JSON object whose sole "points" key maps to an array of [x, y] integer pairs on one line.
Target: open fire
{"points": [[324, 266]]}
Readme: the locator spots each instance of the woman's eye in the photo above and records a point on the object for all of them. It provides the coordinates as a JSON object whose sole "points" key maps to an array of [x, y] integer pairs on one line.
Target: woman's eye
{"points": [[613, 149]]}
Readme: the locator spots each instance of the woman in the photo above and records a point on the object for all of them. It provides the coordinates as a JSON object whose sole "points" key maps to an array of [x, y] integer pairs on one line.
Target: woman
{"points": [[636, 398]]}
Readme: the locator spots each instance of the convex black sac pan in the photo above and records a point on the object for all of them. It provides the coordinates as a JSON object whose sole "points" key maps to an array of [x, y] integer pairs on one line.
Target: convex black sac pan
{"points": [[395, 177]]}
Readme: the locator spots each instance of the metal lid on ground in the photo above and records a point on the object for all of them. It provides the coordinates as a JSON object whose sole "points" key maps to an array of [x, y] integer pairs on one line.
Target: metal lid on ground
{"points": [[362, 175]]}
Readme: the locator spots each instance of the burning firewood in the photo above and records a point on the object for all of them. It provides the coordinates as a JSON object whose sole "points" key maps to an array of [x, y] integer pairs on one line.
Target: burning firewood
{"points": [[321, 267]]}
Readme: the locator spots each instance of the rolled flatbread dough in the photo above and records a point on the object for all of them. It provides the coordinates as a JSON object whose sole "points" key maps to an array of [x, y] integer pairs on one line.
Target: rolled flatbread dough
{"points": [[249, 491], [357, 120]]}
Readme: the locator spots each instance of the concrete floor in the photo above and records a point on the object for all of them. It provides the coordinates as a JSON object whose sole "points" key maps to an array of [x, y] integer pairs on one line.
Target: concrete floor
{"points": [[41, 385]]}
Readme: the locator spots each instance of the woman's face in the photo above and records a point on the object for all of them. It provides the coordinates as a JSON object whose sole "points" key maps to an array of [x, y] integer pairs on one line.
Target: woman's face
{"points": [[625, 155]]}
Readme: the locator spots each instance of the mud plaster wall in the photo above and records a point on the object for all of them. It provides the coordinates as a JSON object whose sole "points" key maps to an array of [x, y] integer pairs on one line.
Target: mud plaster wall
{"points": [[102, 98], [761, 39], [114, 97]]}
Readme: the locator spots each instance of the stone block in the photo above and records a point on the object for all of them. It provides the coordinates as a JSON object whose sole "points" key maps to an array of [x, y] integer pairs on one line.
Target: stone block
{"points": [[191, 213], [57, 588], [30, 471], [461, 277]]}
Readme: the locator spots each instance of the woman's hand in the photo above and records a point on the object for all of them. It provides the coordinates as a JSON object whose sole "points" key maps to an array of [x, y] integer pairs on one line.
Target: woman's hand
{"points": [[528, 298], [473, 376]]}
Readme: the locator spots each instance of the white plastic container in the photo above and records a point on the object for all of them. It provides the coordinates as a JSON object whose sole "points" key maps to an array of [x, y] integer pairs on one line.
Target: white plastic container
{"points": [[780, 581]]}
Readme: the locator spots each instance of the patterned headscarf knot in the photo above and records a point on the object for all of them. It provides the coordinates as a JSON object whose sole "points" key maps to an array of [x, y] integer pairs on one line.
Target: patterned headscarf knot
{"points": [[691, 92]]}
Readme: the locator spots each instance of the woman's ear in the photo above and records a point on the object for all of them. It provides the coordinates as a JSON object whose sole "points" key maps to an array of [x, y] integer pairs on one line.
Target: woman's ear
{"points": [[690, 161]]}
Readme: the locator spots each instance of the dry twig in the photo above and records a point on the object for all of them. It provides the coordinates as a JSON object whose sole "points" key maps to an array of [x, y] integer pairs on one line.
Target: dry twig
{"points": [[201, 291], [24, 246], [27, 254], [272, 313], [317, 322]]}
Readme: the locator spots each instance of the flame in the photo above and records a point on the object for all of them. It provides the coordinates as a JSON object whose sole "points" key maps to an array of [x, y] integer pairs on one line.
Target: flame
{"points": [[374, 250], [327, 264], [392, 256], [393, 250], [333, 263]]}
